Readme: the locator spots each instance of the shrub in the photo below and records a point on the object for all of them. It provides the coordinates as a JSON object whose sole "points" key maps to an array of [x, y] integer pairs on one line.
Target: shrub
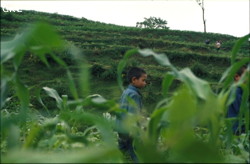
{"points": [[199, 70], [97, 70], [110, 73]]}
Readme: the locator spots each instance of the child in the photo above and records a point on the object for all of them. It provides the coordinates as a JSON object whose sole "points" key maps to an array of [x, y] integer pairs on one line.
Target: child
{"points": [[137, 79], [131, 100], [234, 108]]}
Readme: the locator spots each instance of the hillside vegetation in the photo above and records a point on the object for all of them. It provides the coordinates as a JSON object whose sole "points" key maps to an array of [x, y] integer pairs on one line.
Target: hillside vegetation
{"points": [[105, 44], [59, 102]]}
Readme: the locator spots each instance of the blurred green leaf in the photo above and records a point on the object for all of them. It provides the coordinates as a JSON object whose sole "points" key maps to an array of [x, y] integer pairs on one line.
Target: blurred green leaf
{"points": [[147, 151], [160, 58], [154, 124], [10, 48], [53, 93], [4, 89], [72, 85], [166, 83], [104, 154], [32, 138], [58, 60], [13, 138], [84, 78], [183, 100], [200, 87], [39, 38], [23, 95], [104, 126], [228, 76], [197, 152], [237, 46], [38, 96], [122, 65]]}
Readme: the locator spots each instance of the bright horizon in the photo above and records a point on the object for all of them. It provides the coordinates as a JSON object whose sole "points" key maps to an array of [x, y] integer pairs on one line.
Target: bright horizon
{"points": [[225, 17]]}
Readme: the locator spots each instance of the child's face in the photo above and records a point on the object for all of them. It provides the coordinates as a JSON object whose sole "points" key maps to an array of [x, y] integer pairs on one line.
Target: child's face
{"points": [[237, 77], [140, 82]]}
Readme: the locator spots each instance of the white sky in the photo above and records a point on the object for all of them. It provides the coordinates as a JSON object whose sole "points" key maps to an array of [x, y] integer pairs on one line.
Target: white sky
{"points": [[223, 16]]}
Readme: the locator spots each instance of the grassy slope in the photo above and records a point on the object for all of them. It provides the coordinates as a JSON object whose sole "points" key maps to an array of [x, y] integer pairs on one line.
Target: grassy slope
{"points": [[104, 45]]}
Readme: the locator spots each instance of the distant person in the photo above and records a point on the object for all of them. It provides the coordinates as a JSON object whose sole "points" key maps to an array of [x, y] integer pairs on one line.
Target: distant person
{"points": [[207, 42], [137, 80], [234, 108], [218, 45]]}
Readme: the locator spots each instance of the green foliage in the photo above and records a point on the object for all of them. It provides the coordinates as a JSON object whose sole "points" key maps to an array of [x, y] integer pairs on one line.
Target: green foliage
{"points": [[110, 73], [202, 108], [54, 132], [199, 70], [237, 47], [104, 44], [97, 70], [185, 126]]}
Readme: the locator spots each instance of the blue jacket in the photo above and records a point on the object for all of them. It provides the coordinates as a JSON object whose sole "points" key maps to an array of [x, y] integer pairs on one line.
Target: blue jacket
{"points": [[131, 100], [234, 108]]}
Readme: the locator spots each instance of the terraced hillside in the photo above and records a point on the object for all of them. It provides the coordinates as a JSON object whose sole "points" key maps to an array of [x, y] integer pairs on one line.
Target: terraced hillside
{"points": [[105, 44]]}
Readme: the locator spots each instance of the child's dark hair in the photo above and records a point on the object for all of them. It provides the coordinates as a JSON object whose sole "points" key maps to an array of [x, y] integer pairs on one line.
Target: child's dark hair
{"points": [[135, 72], [241, 70]]}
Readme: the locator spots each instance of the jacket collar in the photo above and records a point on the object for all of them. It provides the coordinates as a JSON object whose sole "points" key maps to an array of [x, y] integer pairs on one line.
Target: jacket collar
{"points": [[134, 89]]}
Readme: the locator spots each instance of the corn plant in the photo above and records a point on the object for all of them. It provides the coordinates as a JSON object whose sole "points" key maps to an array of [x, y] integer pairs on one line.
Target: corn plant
{"points": [[190, 126], [29, 131]]}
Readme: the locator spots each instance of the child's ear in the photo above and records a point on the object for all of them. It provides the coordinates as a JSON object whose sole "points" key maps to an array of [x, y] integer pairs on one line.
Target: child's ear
{"points": [[133, 79]]}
